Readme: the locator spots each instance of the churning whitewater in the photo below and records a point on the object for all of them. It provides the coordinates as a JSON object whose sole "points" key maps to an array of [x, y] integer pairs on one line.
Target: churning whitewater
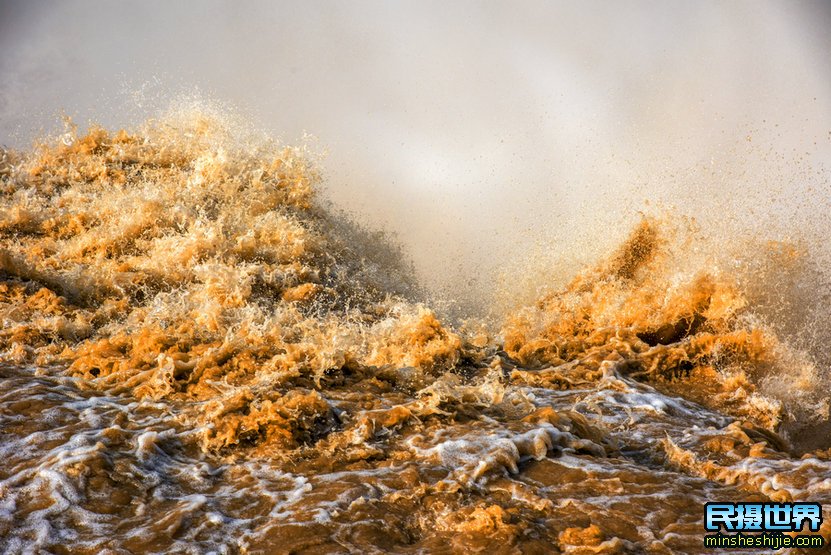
{"points": [[199, 355]]}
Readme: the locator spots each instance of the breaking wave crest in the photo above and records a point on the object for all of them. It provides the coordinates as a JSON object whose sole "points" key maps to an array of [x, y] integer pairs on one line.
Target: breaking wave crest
{"points": [[190, 314]]}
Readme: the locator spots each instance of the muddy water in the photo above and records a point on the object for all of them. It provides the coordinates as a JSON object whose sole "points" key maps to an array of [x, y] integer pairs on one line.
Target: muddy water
{"points": [[198, 356]]}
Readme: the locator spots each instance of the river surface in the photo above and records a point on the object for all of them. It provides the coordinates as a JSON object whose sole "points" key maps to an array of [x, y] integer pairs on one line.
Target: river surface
{"points": [[200, 357]]}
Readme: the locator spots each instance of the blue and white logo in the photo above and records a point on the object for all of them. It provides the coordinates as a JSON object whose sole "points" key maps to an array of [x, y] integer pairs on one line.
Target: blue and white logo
{"points": [[769, 517]]}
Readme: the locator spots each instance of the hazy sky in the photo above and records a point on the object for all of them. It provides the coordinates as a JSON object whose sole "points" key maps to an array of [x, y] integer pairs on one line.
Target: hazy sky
{"points": [[477, 131]]}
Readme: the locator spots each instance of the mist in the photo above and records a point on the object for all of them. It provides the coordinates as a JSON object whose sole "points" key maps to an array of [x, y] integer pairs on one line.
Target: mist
{"points": [[496, 142]]}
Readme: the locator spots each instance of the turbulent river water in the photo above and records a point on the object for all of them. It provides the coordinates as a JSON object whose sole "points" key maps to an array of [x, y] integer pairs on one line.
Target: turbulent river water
{"points": [[198, 356]]}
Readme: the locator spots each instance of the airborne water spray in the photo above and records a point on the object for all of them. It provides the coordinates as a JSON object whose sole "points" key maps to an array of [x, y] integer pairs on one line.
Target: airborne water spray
{"points": [[475, 133], [201, 353]]}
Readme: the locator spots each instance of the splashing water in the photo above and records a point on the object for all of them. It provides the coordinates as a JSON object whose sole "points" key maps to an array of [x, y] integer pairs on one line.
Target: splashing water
{"points": [[200, 355]]}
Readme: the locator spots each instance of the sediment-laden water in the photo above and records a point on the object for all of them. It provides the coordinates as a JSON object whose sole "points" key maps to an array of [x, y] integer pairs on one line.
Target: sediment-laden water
{"points": [[200, 356]]}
